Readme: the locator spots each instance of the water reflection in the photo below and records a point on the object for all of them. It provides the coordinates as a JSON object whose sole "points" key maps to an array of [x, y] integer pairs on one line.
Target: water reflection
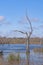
{"points": [[35, 57]]}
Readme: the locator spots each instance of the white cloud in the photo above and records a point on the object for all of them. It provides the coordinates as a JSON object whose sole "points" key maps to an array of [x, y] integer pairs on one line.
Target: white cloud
{"points": [[2, 18], [4, 21]]}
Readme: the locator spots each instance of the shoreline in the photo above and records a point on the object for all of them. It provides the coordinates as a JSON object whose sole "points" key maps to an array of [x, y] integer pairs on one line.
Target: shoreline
{"points": [[4, 40]]}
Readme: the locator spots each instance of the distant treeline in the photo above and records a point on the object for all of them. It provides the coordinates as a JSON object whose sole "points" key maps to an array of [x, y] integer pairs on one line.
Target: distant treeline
{"points": [[36, 40]]}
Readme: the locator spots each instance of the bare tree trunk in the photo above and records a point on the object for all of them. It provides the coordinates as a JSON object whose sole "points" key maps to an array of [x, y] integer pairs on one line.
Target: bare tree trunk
{"points": [[28, 50]]}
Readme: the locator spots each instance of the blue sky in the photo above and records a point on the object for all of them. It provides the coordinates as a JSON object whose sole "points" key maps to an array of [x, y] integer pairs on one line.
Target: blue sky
{"points": [[12, 17]]}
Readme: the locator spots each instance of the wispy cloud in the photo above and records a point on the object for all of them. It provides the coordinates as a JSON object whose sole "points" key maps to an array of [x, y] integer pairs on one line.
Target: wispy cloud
{"points": [[25, 21], [3, 21], [41, 26], [35, 19], [7, 23], [2, 18]]}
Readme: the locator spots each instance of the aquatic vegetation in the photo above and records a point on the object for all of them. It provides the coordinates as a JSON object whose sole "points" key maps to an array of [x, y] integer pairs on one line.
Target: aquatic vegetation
{"points": [[13, 57], [38, 50]]}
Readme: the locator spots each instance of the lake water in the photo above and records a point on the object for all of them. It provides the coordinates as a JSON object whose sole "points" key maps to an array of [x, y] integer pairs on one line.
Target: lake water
{"points": [[37, 58]]}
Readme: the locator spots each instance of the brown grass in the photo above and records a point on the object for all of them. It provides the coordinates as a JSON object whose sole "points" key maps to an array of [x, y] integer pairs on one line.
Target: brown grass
{"points": [[5, 40]]}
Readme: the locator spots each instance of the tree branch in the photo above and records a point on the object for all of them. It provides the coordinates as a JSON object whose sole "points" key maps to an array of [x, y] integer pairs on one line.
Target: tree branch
{"points": [[21, 32], [29, 23]]}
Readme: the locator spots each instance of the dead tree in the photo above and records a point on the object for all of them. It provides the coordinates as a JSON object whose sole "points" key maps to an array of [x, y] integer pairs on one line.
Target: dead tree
{"points": [[28, 38]]}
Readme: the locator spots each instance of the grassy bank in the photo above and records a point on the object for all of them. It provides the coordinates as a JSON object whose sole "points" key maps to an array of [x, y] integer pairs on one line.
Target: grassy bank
{"points": [[4, 40]]}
